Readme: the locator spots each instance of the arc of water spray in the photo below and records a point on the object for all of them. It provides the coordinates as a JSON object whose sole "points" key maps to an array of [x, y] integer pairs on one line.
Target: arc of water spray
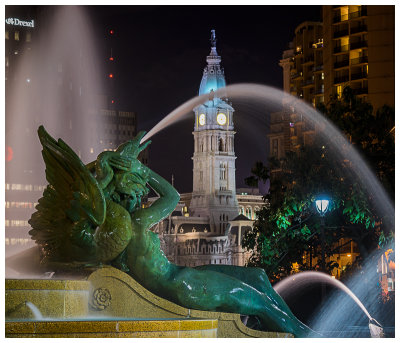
{"points": [[375, 327], [318, 277], [261, 92]]}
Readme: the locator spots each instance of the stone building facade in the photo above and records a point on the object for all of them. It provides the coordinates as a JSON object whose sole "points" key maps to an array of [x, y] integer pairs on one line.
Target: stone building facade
{"points": [[206, 227]]}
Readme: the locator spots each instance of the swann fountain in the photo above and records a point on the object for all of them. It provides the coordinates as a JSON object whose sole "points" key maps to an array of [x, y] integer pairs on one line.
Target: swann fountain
{"points": [[89, 224]]}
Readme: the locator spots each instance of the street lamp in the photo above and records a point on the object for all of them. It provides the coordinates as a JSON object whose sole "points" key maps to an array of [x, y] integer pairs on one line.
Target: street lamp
{"points": [[322, 205]]}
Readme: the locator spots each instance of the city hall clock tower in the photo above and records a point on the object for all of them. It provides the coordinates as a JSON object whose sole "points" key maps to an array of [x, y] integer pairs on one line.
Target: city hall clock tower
{"points": [[214, 188]]}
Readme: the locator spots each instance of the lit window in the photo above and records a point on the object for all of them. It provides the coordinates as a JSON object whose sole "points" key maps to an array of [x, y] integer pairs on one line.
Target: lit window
{"points": [[339, 91], [7, 35], [16, 35], [28, 36], [322, 76], [248, 212]]}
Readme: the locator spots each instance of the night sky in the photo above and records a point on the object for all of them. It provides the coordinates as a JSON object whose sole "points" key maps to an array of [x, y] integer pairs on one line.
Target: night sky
{"points": [[160, 53]]}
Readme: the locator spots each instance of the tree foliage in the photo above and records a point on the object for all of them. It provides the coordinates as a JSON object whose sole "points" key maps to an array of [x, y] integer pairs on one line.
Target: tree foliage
{"points": [[290, 226]]}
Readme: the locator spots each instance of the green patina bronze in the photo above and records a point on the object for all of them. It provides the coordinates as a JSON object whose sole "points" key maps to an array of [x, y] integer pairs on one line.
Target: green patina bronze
{"points": [[91, 214]]}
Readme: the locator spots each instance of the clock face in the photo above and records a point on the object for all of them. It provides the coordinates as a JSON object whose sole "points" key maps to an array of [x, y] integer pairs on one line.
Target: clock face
{"points": [[202, 119], [221, 118]]}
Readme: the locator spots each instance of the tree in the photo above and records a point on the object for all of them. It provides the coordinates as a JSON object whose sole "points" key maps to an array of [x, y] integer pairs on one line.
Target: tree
{"points": [[371, 133], [289, 227]]}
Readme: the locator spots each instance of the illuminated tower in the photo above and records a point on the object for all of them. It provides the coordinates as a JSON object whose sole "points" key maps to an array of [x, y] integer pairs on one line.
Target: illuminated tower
{"points": [[214, 188]]}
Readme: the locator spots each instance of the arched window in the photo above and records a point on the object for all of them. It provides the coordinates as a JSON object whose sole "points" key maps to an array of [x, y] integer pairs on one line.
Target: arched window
{"points": [[241, 210]]}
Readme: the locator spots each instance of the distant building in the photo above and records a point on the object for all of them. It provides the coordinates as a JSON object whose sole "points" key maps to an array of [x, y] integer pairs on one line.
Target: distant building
{"points": [[353, 46], [303, 77], [359, 52], [49, 84], [22, 188]]}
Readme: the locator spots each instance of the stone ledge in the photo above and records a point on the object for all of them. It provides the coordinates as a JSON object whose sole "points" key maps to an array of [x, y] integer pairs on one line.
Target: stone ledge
{"points": [[114, 328]]}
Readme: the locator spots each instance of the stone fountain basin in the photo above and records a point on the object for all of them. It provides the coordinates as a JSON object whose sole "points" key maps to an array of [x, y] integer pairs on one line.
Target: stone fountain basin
{"points": [[110, 303]]}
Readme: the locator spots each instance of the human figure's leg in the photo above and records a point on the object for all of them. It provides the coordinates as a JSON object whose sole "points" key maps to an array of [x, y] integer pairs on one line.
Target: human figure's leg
{"points": [[255, 277], [214, 291]]}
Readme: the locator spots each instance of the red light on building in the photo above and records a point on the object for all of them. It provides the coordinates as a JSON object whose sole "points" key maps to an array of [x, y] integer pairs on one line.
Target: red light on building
{"points": [[110, 76], [112, 101], [111, 32], [9, 153], [111, 58]]}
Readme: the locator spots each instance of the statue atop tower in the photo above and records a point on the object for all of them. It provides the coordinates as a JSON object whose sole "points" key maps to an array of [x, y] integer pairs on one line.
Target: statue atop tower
{"points": [[213, 39]]}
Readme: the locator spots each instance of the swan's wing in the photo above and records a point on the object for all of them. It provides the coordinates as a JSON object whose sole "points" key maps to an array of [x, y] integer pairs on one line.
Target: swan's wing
{"points": [[71, 208]]}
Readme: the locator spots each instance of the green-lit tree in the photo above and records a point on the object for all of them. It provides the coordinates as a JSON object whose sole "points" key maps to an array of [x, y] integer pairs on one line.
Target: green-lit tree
{"points": [[289, 227]]}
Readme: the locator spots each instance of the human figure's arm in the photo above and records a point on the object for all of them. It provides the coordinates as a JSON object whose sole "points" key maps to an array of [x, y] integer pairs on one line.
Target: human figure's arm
{"points": [[162, 207], [103, 166]]}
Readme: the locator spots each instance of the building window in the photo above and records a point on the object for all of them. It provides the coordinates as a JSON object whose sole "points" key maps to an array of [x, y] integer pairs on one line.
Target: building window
{"points": [[16, 35], [275, 147], [248, 212], [241, 211], [221, 145], [339, 91], [28, 36], [7, 35]]}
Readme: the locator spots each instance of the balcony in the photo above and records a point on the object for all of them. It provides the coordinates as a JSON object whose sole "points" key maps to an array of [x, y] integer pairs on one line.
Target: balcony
{"points": [[341, 33], [359, 91], [358, 29], [309, 59], [297, 76], [318, 67], [359, 60], [358, 76], [341, 48], [308, 83], [359, 45], [340, 18], [341, 64], [358, 14], [341, 79]]}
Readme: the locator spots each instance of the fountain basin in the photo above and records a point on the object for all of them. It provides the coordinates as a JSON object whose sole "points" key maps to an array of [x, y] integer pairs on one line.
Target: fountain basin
{"points": [[53, 298], [110, 303]]}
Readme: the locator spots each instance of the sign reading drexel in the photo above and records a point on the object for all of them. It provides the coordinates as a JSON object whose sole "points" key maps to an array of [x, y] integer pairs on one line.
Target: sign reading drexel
{"points": [[18, 22]]}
